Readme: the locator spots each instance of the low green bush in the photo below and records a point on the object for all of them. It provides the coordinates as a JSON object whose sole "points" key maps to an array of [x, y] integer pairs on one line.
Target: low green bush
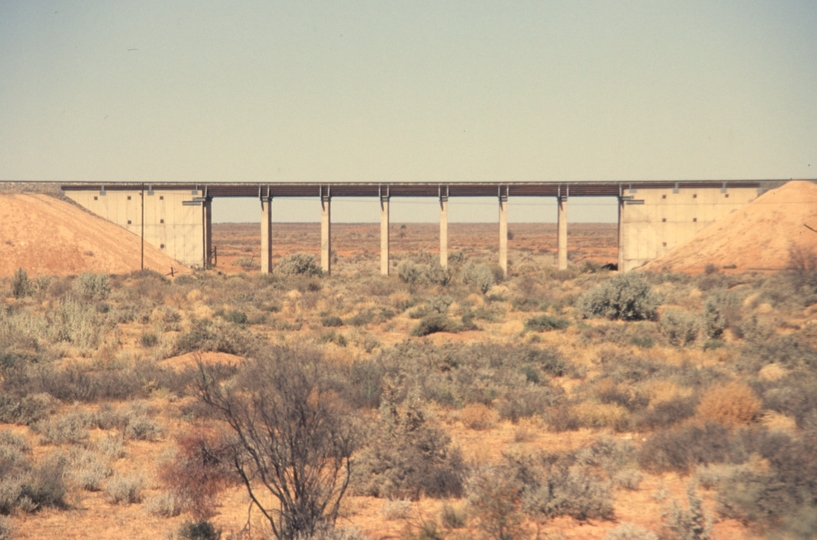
{"points": [[543, 323], [436, 322]]}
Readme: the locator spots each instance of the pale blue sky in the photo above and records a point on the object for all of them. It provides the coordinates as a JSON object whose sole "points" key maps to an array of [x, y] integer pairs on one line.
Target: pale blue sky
{"points": [[442, 91]]}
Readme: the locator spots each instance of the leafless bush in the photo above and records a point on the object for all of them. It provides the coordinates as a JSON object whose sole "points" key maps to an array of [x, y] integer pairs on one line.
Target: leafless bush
{"points": [[291, 438]]}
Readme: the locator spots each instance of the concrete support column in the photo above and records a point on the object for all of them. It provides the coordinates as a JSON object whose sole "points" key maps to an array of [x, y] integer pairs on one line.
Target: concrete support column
{"points": [[384, 235], [621, 243], [207, 229], [503, 233], [444, 231], [326, 232], [561, 235], [266, 235]]}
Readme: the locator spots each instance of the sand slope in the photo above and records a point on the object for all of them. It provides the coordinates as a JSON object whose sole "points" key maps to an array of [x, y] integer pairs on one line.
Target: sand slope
{"points": [[47, 236], [755, 237]]}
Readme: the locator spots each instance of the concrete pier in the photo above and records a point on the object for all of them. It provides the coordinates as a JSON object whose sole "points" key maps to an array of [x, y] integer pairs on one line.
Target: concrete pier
{"points": [[503, 232], [266, 235], [444, 230], [207, 229], [326, 231], [384, 235], [561, 234]]}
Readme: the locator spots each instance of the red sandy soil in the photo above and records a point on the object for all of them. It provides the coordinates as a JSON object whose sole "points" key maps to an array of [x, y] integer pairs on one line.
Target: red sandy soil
{"points": [[47, 236], [756, 237]]}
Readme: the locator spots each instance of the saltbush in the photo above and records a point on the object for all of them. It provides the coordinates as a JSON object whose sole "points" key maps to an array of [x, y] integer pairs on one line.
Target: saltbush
{"points": [[298, 264], [627, 297]]}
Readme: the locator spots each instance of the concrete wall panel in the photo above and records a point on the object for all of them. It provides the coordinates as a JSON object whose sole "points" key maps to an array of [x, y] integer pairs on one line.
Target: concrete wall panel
{"points": [[668, 217], [176, 229]]}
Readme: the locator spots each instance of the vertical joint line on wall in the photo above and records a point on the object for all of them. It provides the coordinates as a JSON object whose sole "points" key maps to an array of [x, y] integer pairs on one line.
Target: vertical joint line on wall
{"points": [[723, 188], [676, 189]]}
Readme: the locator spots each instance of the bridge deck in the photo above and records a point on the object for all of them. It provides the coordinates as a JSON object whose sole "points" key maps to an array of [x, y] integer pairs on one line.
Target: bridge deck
{"points": [[419, 189]]}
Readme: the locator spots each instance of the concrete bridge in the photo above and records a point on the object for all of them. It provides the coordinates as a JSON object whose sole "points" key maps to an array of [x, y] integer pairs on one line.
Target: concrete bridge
{"points": [[653, 216]]}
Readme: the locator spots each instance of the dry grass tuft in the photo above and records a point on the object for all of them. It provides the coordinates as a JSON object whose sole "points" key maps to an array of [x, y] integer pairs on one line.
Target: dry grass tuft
{"points": [[732, 404], [599, 415], [477, 416]]}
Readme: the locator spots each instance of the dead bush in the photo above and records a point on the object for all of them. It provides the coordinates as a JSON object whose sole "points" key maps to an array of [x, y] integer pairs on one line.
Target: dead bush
{"points": [[731, 404], [198, 473]]}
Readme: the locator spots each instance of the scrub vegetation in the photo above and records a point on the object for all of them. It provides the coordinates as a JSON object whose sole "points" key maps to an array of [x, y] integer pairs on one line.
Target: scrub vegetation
{"points": [[435, 403]]}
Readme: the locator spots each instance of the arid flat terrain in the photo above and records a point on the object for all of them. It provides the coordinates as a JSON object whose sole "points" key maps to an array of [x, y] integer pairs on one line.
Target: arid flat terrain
{"points": [[238, 245]]}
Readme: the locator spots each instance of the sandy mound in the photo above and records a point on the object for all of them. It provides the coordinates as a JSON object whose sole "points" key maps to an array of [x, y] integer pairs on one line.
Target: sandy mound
{"points": [[755, 237], [47, 236]]}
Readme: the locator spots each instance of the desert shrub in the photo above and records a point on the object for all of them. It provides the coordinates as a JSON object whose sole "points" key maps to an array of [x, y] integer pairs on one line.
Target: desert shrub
{"points": [[526, 401], [216, 336], [477, 416], [298, 264], [665, 413], [406, 458], [802, 269], [71, 427], [721, 311], [690, 523], [198, 473], [92, 287], [495, 494], [626, 395], [124, 489], [568, 491], [409, 272], [394, 509], [165, 504], [683, 449], [452, 517], [544, 323], [88, 470], [26, 410], [142, 428], [112, 445], [287, 424], [600, 415], [479, 275], [731, 404], [628, 531], [628, 479], [331, 321], [626, 296], [235, 316], [791, 351], [6, 528], [794, 396], [361, 319], [199, 530], [21, 286], [149, 339], [436, 274], [436, 322], [679, 327], [77, 322], [29, 488]]}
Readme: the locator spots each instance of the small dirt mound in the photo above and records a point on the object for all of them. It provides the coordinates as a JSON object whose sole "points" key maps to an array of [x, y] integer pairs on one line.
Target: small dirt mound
{"points": [[47, 236], [757, 237]]}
